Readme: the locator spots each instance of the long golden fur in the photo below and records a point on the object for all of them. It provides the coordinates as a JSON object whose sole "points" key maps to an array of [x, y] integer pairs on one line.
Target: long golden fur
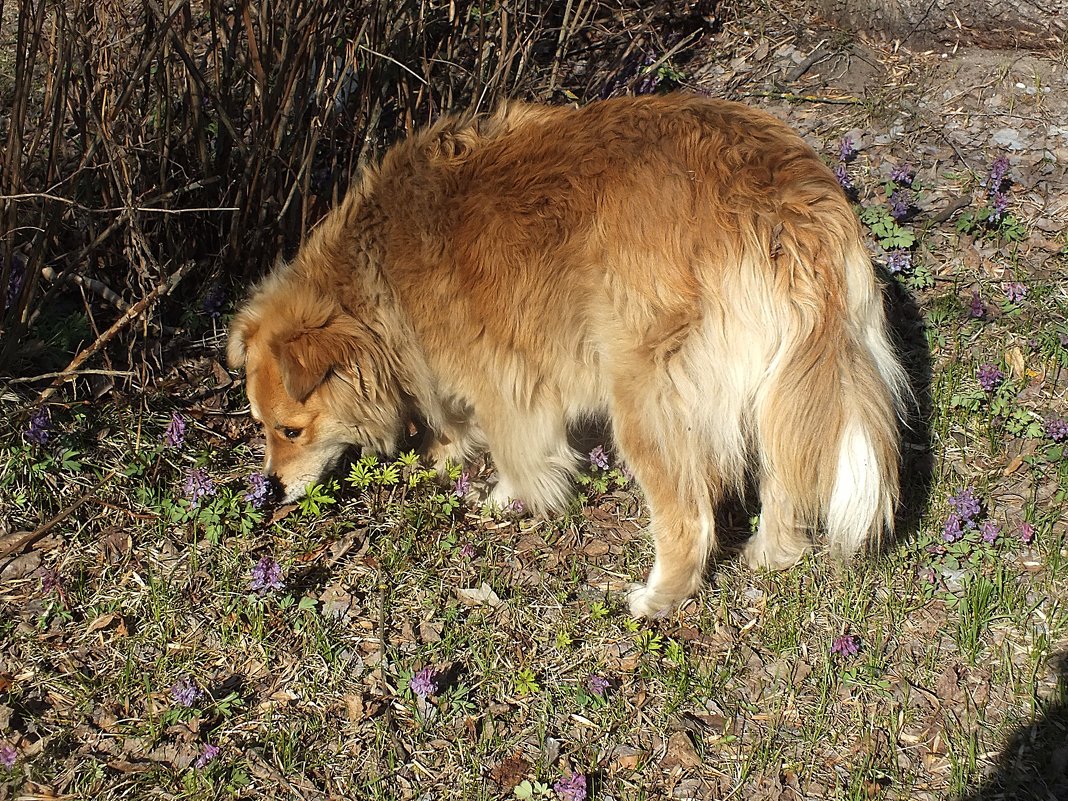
{"points": [[687, 267]]}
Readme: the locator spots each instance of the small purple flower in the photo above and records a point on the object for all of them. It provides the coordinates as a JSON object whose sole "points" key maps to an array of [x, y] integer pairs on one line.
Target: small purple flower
{"points": [[423, 683], [967, 505], [926, 575], [1057, 429], [990, 377], [51, 580], [198, 485], [1015, 291], [572, 788], [516, 506], [900, 203], [15, 279], [259, 490], [8, 755], [38, 431], [846, 645], [952, 530], [998, 170], [185, 692], [998, 206], [462, 485], [847, 149], [214, 300], [976, 308], [598, 458], [899, 260], [1026, 533], [902, 174], [209, 753], [598, 685], [990, 531], [174, 436], [266, 576], [467, 551], [844, 180]]}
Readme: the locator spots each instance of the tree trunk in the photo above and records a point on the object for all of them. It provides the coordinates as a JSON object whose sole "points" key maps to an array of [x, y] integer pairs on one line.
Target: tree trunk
{"points": [[1016, 24]]}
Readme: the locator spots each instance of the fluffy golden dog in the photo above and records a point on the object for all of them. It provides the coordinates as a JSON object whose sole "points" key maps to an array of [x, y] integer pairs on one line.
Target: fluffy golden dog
{"points": [[687, 267]]}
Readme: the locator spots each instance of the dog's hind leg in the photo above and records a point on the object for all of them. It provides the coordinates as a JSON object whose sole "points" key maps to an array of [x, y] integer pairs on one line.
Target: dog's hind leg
{"points": [[656, 436], [781, 539]]}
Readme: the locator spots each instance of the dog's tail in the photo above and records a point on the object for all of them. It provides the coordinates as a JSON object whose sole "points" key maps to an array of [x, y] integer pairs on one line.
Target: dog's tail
{"points": [[830, 423]]}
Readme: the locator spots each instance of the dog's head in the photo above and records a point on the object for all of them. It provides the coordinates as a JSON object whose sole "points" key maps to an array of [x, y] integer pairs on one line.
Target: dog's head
{"points": [[319, 380]]}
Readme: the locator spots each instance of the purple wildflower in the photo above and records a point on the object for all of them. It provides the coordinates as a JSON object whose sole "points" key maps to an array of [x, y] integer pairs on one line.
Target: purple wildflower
{"points": [[844, 180], [8, 755], [207, 755], [462, 485], [966, 505], [999, 205], [900, 203], [990, 531], [598, 458], [423, 683], [198, 485], [847, 149], [952, 530], [1026, 533], [650, 80], [998, 169], [976, 308], [467, 551], [15, 279], [902, 174], [38, 430], [898, 260], [259, 490], [51, 580], [1057, 429], [174, 436], [266, 576], [990, 377], [516, 506], [926, 574], [598, 685], [846, 645], [1015, 291], [573, 788], [214, 300], [185, 692]]}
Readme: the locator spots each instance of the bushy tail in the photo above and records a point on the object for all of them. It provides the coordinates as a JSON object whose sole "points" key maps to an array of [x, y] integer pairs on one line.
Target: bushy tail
{"points": [[829, 416], [866, 485]]}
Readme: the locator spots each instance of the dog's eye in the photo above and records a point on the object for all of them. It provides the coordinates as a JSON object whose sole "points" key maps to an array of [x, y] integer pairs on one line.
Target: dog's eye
{"points": [[291, 433]]}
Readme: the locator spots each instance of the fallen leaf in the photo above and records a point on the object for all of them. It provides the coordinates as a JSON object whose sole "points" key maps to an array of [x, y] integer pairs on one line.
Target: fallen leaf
{"points": [[680, 753], [509, 772], [477, 596], [1014, 358]]}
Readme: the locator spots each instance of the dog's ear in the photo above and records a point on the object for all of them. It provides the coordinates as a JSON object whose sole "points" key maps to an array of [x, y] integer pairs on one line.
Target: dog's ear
{"points": [[242, 329], [308, 358]]}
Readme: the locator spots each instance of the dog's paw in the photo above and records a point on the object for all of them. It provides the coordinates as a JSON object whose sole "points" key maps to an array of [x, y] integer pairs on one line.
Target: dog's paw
{"points": [[644, 602], [502, 497], [759, 556]]}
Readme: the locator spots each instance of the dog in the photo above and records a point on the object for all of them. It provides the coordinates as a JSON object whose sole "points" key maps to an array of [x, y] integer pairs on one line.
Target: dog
{"points": [[686, 267]]}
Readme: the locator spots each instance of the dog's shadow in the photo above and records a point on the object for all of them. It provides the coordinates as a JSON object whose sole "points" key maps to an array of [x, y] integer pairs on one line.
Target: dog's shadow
{"points": [[1034, 763]]}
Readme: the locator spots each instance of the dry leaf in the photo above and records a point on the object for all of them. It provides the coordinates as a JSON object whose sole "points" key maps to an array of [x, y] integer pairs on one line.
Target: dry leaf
{"points": [[477, 596], [1014, 358], [507, 773], [680, 753]]}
